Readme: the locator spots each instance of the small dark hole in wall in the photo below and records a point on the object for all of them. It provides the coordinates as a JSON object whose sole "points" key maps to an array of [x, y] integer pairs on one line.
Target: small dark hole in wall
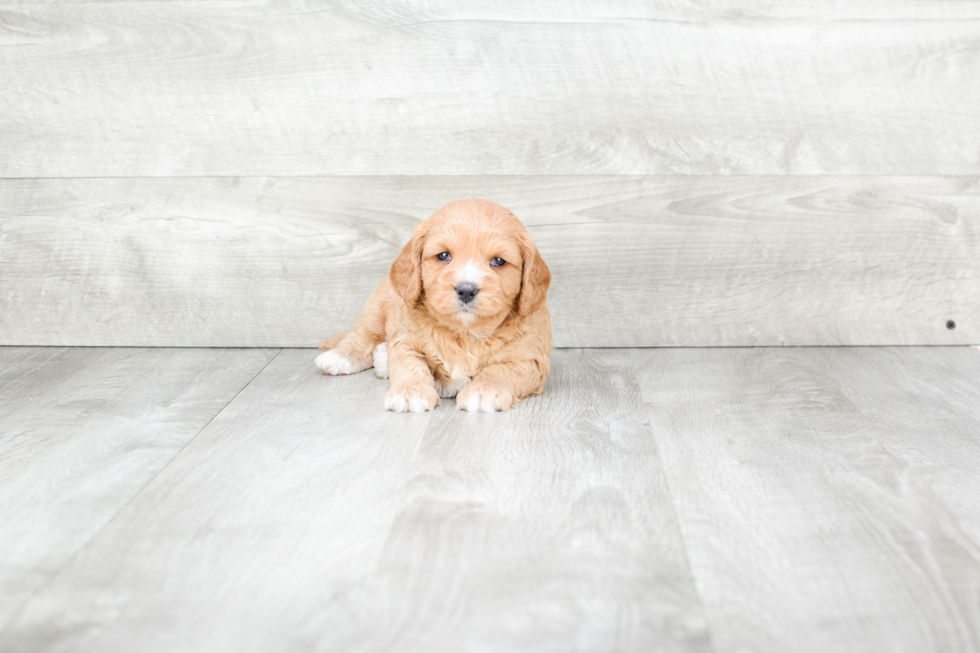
{"points": [[950, 325]]}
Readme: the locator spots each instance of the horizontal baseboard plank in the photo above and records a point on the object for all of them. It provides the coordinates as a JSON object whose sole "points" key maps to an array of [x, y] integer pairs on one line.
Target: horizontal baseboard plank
{"points": [[636, 261], [289, 88]]}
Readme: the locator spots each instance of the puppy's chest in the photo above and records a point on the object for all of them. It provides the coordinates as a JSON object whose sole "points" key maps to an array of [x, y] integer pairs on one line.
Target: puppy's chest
{"points": [[454, 366]]}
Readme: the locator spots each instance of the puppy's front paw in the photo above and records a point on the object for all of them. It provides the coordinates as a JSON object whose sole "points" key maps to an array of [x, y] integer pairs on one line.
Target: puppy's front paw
{"points": [[481, 397], [411, 398], [330, 362]]}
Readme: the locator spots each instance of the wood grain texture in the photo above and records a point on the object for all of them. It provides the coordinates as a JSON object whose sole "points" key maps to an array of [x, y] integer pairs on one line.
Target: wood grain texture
{"points": [[304, 517], [81, 432], [506, 88], [264, 512], [929, 424], [546, 528], [827, 497], [636, 261]]}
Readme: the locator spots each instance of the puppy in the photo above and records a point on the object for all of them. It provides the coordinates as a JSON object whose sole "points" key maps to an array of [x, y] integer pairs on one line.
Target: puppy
{"points": [[462, 314]]}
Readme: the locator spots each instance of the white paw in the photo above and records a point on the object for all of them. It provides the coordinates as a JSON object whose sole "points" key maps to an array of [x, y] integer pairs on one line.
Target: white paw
{"points": [[332, 363], [381, 361], [411, 399], [482, 398]]}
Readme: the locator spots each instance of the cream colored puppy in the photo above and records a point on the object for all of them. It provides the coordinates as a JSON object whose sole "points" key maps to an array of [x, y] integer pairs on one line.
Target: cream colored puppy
{"points": [[462, 314]]}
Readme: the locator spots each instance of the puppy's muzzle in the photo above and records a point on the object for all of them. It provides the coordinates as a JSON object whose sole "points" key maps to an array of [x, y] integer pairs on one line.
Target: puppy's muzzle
{"points": [[466, 292]]}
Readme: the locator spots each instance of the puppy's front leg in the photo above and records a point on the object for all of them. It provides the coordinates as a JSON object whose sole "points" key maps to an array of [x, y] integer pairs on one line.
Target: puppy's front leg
{"points": [[502, 386], [413, 388]]}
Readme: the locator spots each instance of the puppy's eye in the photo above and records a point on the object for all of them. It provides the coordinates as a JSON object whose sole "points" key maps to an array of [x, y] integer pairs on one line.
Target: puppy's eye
{"points": [[444, 256], [496, 261]]}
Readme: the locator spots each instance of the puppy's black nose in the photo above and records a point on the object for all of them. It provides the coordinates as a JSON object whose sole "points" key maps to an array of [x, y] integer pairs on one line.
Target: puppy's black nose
{"points": [[467, 291]]}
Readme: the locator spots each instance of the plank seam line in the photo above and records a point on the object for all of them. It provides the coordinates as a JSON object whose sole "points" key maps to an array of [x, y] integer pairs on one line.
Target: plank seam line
{"points": [[608, 175], [673, 509], [677, 519], [74, 556], [684, 546]]}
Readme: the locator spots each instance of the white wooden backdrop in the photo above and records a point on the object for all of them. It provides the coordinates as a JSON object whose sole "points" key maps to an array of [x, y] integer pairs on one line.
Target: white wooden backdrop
{"points": [[234, 173]]}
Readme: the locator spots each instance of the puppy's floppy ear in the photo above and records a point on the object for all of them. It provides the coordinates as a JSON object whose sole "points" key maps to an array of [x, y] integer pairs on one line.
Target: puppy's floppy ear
{"points": [[535, 278], [406, 271]]}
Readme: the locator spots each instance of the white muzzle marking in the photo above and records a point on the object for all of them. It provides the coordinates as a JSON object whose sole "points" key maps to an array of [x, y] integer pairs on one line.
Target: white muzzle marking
{"points": [[470, 273]]}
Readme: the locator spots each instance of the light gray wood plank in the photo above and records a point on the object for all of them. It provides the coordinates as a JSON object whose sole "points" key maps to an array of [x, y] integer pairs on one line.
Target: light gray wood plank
{"points": [[285, 499], [805, 529], [295, 88], [546, 528], [636, 261], [666, 9], [927, 417], [81, 432], [306, 518]]}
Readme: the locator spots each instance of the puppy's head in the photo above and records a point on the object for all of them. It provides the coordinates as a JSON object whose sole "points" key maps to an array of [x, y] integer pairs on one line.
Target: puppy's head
{"points": [[471, 264]]}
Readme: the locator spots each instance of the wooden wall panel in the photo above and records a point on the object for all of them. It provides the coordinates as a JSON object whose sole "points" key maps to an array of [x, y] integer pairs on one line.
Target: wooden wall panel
{"points": [[636, 261], [502, 88]]}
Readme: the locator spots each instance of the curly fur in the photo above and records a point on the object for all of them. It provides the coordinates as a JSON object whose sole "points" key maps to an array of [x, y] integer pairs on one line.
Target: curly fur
{"points": [[490, 353]]}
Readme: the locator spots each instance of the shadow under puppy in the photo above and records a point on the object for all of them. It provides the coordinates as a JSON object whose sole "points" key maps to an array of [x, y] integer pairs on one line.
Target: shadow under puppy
{"points": [[462, 314]]}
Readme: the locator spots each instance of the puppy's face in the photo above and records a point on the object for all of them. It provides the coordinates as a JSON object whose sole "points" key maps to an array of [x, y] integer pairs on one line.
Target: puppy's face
{"points": [[471, 272], [470, 265]]}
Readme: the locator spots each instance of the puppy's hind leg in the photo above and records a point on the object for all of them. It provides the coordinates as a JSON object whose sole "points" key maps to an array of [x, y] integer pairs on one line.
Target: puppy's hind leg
{"points": [[332, 342], [334, 363], [350, 353]]}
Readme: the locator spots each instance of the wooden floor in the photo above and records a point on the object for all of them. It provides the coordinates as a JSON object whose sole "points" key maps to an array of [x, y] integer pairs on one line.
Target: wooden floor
{"points": [[823, 499]]}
